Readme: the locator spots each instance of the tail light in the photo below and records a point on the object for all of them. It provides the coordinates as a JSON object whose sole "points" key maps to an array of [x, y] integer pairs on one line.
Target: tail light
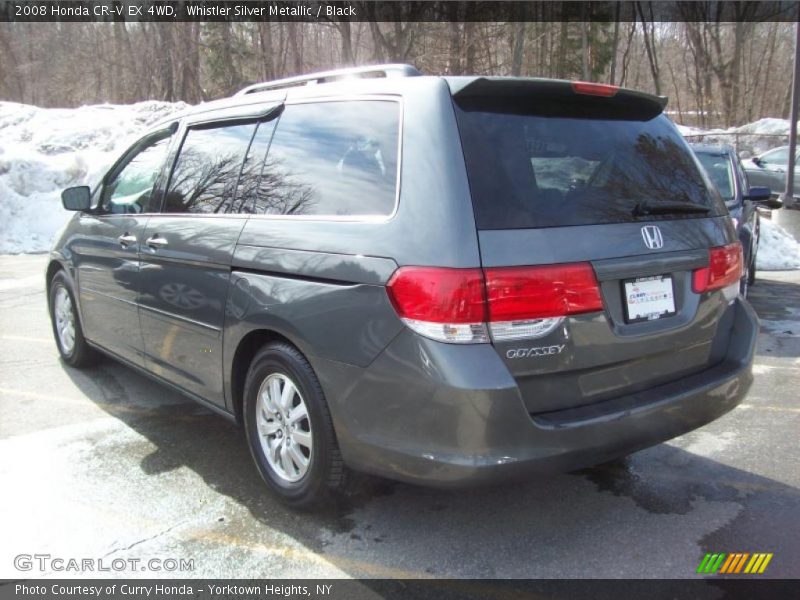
{"points": [[443, 304], [465, 305], [724, 268], [594, 89]]}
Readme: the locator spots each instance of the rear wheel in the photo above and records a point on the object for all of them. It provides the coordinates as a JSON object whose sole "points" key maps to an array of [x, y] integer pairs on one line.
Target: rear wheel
{"points": [[67, 326], [289, 428], [748, 277]]}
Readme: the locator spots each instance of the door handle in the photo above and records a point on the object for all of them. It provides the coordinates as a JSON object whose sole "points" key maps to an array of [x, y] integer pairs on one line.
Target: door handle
{"points": [[126, 239], [156, 241]]}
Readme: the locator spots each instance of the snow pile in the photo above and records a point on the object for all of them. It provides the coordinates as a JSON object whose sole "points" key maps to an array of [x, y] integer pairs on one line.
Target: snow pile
{"points": [[686, 130], [753, 138], [777, 249], [43, 151]]}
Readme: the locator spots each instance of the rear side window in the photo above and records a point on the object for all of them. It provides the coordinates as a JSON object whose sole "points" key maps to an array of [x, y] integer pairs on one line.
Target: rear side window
{"points": [[247, 193], [527, 170], [207, 169], [332, 158]]}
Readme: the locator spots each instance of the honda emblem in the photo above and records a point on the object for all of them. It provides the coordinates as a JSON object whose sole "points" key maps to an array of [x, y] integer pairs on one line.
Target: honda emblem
{"points": [[652, 237]]}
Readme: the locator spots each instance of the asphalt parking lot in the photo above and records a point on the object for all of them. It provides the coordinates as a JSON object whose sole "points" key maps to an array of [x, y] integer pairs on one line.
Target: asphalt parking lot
{"points": [[107, 464]]}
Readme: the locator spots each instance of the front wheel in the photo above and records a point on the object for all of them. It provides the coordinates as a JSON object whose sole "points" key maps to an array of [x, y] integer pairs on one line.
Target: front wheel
{"points": [[72, 346], [289, 428]]}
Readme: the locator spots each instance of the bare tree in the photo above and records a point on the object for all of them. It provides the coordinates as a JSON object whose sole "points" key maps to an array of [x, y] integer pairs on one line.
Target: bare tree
{"points": [[717, 73]]}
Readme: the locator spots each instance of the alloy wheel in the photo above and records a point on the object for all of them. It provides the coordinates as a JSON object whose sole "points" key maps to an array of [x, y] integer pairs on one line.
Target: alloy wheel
{"points": [[284, 427], [65, 320]]}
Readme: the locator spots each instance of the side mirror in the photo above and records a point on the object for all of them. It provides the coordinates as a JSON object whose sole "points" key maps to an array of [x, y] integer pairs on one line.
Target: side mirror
{"points": [[758, 194], [772, 203], [77, 198], [756, 161]]}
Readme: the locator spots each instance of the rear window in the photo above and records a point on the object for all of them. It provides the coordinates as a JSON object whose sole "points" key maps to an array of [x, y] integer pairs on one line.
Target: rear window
{"points": [[528, 170], [207, 169]]}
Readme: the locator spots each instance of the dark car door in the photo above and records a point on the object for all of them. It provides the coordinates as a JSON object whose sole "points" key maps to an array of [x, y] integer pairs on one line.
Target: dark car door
{"points": [[187, 252], [748, 221], [769, 169], [106, 251]]}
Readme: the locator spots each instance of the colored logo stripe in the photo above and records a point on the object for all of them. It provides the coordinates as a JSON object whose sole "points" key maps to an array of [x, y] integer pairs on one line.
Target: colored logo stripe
{"points": [[734, 563], [737, 563], [758, 563], [711, 563]]}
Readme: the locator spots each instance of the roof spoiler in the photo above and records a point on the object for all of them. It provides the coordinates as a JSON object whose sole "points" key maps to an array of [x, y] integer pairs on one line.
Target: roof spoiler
{"points": [[619, 102]]}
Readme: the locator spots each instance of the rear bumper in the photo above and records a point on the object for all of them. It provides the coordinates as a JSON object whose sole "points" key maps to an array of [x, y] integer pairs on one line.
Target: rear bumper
{"points": [[452, 416]]}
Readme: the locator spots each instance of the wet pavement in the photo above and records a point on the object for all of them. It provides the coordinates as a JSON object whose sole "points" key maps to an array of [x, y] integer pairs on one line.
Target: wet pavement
{"points": [[106, 464]]}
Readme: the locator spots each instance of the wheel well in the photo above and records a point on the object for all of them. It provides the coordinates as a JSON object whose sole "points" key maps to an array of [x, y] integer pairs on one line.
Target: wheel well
{"points": [[53, 268], [245, 351]]}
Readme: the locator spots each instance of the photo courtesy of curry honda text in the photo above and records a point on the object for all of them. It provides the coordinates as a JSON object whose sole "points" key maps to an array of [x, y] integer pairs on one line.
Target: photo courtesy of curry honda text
{"points": [[446, 281]]}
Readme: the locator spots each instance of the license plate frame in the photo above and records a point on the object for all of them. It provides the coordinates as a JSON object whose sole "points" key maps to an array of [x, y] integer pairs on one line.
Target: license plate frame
{"points": [[656, 298]]}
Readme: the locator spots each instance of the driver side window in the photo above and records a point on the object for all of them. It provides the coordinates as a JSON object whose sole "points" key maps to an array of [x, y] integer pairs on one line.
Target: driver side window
{"points": [[131, 189], [777, 158]]}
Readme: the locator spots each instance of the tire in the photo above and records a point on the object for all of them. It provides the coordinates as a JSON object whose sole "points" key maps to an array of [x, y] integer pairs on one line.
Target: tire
{"points": [[67, 330], [744, 284], [751, 274], [280, 437]]}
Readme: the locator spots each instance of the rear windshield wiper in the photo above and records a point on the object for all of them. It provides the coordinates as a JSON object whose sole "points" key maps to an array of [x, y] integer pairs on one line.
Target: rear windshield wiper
{"points": [[667, 208]]}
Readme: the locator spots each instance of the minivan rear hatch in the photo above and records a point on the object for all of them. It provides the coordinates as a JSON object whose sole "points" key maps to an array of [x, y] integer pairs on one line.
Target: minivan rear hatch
{"points": [[596, 228]]}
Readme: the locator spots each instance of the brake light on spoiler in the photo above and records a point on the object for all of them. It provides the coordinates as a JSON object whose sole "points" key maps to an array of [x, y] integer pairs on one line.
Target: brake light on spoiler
{"points": [[469, 305], [594, 89]]}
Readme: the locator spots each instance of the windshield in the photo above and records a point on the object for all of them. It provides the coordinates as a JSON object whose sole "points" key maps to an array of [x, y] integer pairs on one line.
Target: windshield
{"points": [[527, 170], [720, 170]]}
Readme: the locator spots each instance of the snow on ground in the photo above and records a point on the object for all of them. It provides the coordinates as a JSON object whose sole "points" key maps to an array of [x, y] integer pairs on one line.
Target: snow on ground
{"points": [[43, 151], [777, 249]]}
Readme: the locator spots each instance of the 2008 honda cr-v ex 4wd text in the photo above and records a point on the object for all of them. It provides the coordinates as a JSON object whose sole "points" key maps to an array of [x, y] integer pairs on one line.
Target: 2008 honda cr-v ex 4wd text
{"points": [[440, 280]]}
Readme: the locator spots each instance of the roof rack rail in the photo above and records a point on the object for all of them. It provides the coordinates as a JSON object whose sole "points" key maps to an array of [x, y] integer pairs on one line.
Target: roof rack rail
{"points": [[377, 71]]}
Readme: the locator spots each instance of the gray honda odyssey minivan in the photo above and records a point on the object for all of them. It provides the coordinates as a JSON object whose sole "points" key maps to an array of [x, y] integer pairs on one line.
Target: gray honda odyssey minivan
{"points": [[440, 280]]}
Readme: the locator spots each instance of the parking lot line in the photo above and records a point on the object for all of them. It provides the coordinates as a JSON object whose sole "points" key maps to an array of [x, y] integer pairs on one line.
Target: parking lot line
{"points": [[290, 552], [48, 397], [23, 338], [771, 408]]}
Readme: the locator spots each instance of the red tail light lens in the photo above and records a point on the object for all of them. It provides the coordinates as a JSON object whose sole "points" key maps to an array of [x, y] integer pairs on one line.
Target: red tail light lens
{"points": [[438, 295], [517, 293], [594, 89], [455, 305], [724, 268]]}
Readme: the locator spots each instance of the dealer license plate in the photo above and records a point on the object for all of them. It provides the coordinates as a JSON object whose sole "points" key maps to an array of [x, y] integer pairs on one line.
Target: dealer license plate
{"points": [[648, 298]]}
